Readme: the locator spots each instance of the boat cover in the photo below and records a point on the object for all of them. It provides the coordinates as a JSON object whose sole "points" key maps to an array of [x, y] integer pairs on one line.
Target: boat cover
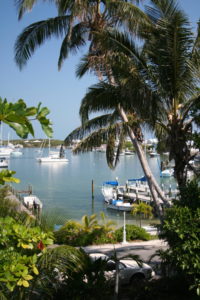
{"points": [[115, 183], [138, 179]]}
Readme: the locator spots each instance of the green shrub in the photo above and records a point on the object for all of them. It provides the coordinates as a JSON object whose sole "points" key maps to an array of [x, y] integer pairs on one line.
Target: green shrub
{"points": [[132, 233], [73, 234], [181, 229], [68, 233], [19, 249], [88, 233]]}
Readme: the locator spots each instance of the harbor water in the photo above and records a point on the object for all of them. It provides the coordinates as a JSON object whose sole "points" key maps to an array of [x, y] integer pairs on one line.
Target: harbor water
{"points": [[65, 189]]}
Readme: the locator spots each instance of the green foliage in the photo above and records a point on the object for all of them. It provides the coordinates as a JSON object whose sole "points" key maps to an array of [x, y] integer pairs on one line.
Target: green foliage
{"points": [[132, 233], [128, 145], [181, 229], [17, 116], [142, 209], [190, 195], [6, 176], [89, 232], [19, 245], [76, 234]]}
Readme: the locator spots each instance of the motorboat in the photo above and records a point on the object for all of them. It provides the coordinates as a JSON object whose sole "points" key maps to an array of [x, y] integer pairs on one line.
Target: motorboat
{"points": [[109, 190], [119, 204], [32, 202], [3, 162], [167, 173]]}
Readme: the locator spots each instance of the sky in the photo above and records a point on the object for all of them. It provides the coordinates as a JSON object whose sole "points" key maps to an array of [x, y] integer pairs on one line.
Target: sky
{"points": [[40, 80]]}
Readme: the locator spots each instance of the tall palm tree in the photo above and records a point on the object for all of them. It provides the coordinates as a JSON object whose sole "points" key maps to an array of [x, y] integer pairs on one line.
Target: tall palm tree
{"points": [[167, 74], [78, 22], [108, 128]]}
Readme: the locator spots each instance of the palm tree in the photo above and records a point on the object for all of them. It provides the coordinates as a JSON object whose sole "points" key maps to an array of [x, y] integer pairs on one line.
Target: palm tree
{"points": [[79, 22], [109, 128], [166, 73], [142, 208], [89, 223]]}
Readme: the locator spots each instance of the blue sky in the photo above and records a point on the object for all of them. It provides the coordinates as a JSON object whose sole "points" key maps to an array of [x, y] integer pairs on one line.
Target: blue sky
{"points": [[40, 80]]}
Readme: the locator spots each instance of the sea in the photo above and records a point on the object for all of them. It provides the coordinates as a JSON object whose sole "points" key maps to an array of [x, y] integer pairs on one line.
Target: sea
{"points": [[66, 189]]}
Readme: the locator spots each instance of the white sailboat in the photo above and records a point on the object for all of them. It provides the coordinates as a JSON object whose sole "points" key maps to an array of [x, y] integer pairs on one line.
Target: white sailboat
{"points": [[5, 151], [54, 157]]}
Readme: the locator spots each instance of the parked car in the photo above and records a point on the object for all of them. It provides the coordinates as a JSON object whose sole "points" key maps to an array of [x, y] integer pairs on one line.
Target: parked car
{"points": [[129, 269]]}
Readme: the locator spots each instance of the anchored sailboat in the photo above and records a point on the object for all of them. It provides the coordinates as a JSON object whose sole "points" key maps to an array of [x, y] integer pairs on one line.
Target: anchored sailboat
{"points": [[54, 157]]}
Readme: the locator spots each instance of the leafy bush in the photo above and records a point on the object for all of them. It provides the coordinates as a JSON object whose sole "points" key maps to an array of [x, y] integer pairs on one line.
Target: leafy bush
{"points": [[73, 234], [93, 233], [181, 229], [68, 233], [19, 246], [132, 233], [88, 233]]}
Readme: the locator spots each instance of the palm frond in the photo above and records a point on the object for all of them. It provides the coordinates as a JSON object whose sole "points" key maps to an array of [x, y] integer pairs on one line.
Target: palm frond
{"points": [[169, 50], [88, 127], [36, 34], [110, 149], [72, 42], [99, 97], [115, 142], [23, 6], [128, 14], [95, 139]]}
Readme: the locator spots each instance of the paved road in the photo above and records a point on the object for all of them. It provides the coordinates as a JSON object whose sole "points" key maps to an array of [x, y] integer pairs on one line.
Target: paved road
{"points": [[143, 249]]}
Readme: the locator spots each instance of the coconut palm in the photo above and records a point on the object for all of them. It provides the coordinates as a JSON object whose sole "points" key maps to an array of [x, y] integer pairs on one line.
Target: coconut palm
{"points": [[109, 128], [166, 73], [77, 23], [140, 209]]}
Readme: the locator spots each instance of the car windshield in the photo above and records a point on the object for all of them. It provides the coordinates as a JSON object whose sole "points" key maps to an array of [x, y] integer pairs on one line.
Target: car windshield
{"points": [[111, 266]]}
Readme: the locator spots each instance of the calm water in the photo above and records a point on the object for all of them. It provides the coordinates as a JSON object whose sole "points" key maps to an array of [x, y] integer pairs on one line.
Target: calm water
{"points": [[65, 189]]}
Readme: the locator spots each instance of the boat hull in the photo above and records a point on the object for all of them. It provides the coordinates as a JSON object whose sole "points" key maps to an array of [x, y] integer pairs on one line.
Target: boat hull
{"points": [[52, 160], [120, 207]]}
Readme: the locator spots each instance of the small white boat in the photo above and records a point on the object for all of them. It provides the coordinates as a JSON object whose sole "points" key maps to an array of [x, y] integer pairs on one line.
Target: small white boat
{"points": [[16, 153], [54, 157], [32, 201], [3, 162], [109, 190], [154, 154], [119, 205], [167, 173], [5, 151], [129, 152]]}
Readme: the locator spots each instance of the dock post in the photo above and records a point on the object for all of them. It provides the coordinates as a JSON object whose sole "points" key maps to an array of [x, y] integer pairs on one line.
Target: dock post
{"points": [[92, 188]]}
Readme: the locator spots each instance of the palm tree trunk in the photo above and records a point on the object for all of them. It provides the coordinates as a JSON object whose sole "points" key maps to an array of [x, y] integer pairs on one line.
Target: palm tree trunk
{"points": [[153, 185]]}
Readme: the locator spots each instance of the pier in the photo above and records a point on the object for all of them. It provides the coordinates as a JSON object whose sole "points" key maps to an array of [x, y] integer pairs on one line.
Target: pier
{"points": [[16, 197]]}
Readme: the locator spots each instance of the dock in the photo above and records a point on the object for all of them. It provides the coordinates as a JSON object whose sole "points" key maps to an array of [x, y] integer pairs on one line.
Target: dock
{"points": [[142, 193], [16, 197]]}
